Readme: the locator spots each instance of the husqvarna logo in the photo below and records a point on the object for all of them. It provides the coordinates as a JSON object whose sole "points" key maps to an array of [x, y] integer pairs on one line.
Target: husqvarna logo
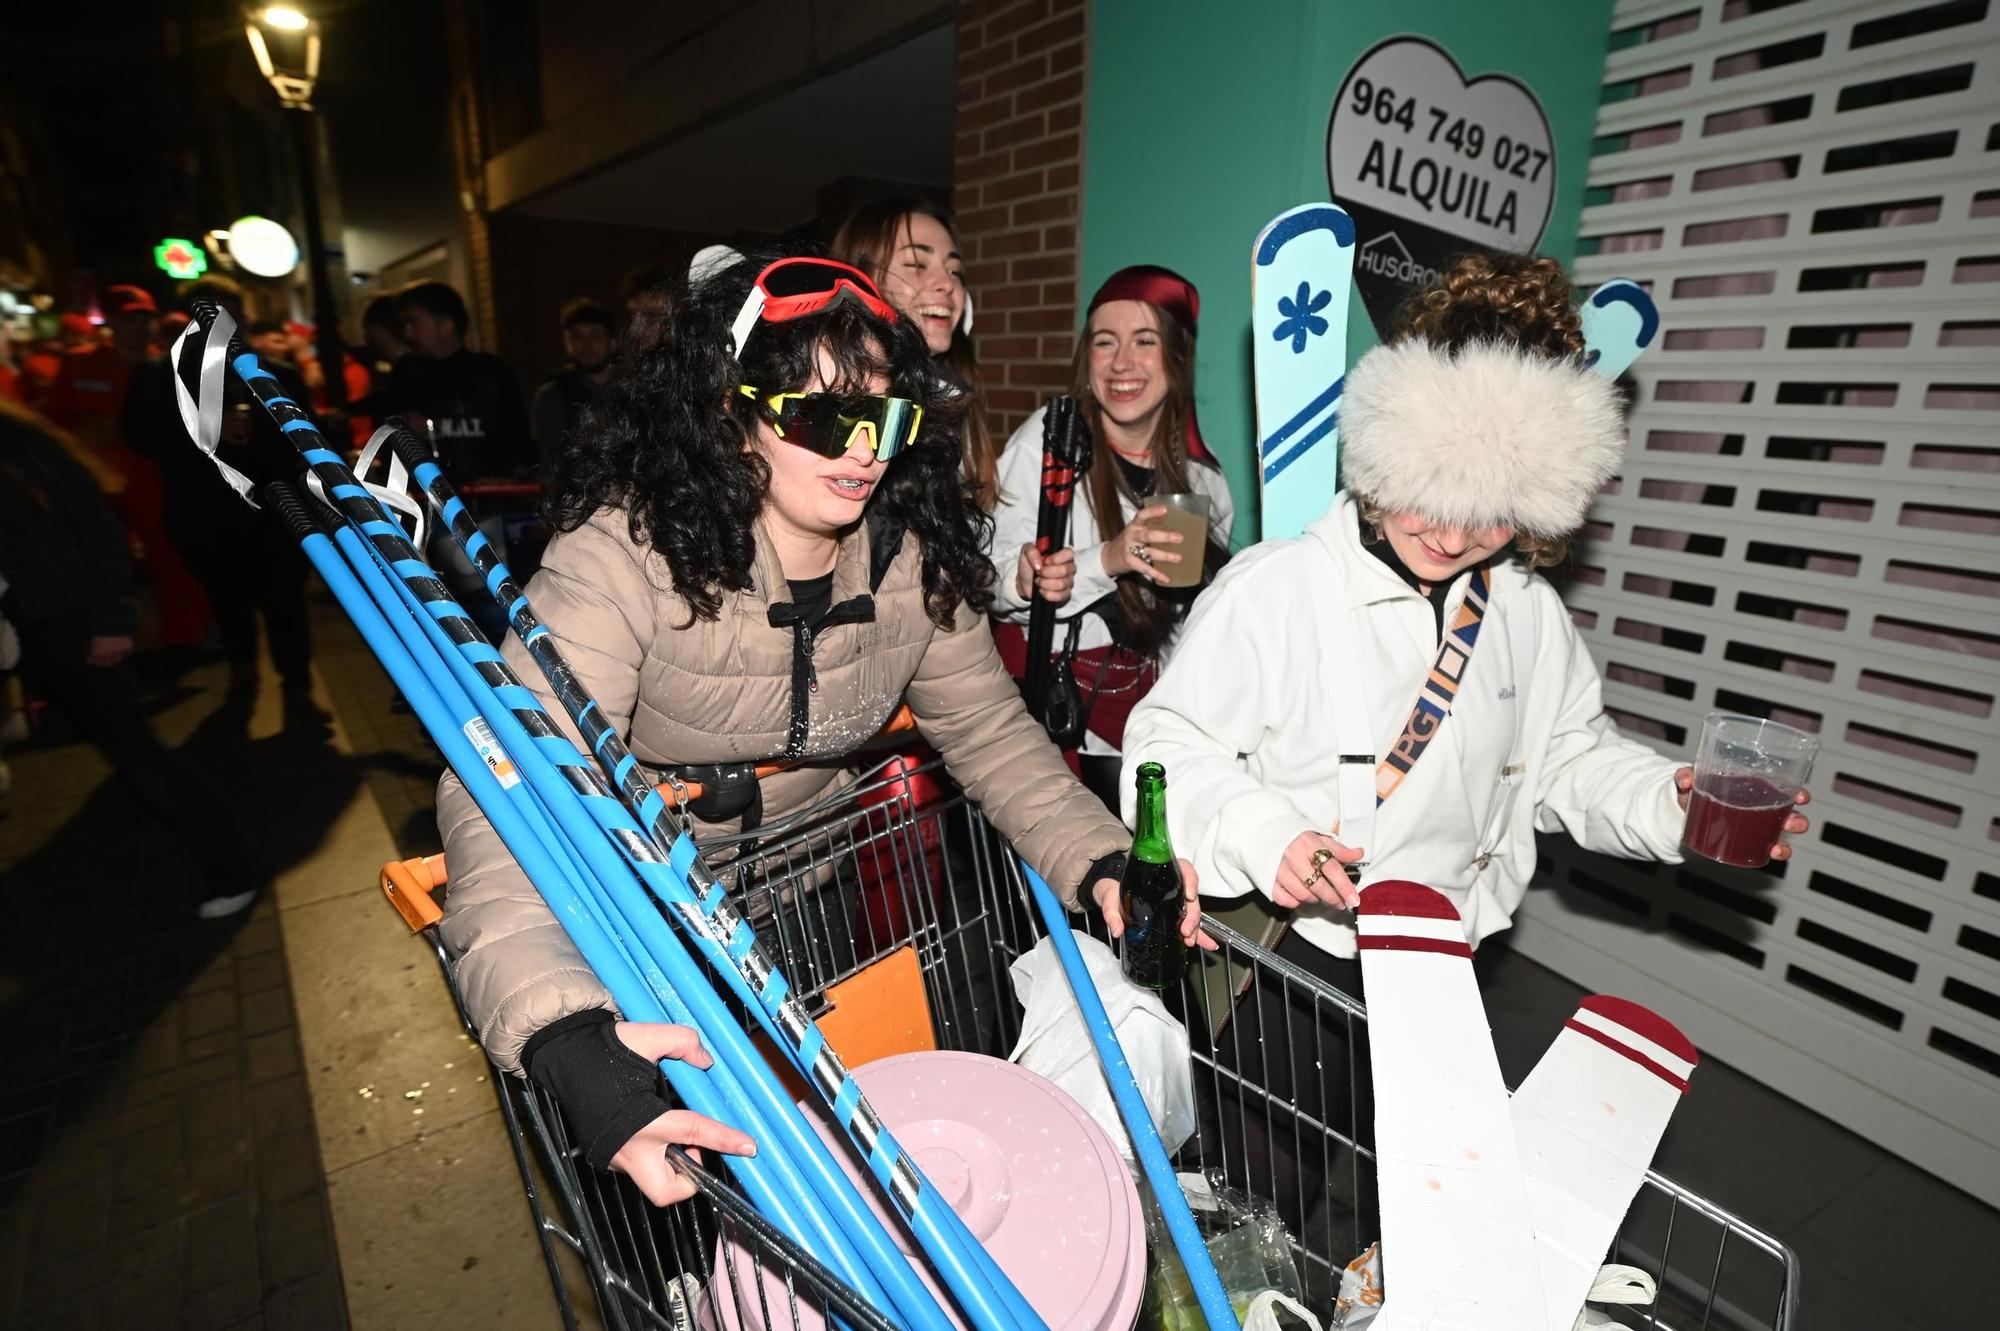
{"points": [[1386, 257]]}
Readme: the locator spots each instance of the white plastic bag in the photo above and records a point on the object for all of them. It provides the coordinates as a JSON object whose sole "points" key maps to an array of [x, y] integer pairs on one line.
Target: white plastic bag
{"points": [[1055, 1043], [1262, 1314], [1616, 1284]]}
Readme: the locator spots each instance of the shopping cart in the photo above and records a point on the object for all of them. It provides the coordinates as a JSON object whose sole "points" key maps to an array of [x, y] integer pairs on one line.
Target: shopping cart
{"points": [[820, 882]]}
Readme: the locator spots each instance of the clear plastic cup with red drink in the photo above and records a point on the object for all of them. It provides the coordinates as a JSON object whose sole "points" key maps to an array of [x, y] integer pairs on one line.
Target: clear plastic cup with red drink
{"points": [[1747, 774]]}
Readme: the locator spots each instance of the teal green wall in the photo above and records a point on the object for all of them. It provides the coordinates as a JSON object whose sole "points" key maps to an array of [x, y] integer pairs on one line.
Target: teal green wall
{"points": [[1207, 119]]}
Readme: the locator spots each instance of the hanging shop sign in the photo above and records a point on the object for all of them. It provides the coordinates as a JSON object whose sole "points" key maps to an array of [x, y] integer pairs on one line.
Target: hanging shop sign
{"points": [[1431, 164], [182, 260], [262, 247]]}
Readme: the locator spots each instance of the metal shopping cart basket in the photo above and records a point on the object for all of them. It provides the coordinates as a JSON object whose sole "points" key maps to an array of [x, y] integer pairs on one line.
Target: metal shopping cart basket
{"points": [[897, 910]]}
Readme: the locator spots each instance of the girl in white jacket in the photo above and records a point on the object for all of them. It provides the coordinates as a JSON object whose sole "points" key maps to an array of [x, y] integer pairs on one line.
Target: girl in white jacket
{"points": [[1134, 376], [1406, 697]]}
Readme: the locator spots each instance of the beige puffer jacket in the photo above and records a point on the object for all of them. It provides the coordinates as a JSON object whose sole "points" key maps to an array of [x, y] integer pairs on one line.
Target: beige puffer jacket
{"points": [[722, 691]]}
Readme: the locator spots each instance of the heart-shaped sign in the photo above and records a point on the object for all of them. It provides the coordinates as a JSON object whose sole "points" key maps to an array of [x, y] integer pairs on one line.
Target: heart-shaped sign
{"points": [[1431, 164]]}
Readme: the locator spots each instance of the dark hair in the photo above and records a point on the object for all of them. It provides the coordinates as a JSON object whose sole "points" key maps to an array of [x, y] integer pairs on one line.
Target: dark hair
{"points": [[1146, 615], [584, 310], [440, 300], [669, 442], [21, 429], [22, 473], [1522, 299], [869, 240], [381, 313]]}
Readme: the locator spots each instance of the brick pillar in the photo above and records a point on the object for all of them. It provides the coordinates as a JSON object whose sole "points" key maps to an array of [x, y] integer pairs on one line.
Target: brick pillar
{"points": [[1017, 167], [469, 159]]}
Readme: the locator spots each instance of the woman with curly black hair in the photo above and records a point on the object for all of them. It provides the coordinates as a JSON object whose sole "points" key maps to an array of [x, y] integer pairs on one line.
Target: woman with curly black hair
{"points": [[765, 544]]}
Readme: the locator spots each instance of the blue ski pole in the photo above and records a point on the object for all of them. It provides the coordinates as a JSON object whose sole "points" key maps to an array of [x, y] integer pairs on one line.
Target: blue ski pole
{"points": [[728, 942], [1208, 1291], [590, 816]]}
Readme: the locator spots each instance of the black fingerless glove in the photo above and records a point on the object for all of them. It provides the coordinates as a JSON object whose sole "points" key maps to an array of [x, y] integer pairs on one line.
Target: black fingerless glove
{"points": [[1104, 866], [606, 1092]]}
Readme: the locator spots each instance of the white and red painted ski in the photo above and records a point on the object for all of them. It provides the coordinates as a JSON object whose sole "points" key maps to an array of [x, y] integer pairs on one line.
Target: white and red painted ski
{"points": [[1587, 1120], [1498, 1210], [1458, 1238]]}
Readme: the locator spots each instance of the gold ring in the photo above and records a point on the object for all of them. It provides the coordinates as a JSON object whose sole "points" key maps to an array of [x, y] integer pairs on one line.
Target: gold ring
{"points": [[1320, 857]]}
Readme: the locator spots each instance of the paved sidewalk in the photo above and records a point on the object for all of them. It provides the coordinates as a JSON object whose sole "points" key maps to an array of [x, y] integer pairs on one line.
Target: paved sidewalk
{"points": [[204, 1125], [433, 1226], [159, 1163]]}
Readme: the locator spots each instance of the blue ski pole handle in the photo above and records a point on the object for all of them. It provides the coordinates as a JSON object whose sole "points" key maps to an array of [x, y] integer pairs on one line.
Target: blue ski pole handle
{"points": [[600, 830], [1301, 278], [1208, 1290], [1619, 322], [728, 942]]}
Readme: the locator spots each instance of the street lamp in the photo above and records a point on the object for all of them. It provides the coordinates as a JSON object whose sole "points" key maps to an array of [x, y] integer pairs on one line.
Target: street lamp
{"points": [[286, 44], [285, 41]]}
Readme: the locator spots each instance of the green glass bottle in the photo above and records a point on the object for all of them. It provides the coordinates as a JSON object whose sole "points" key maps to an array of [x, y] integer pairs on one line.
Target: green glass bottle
{"points": [[1150, 894]]}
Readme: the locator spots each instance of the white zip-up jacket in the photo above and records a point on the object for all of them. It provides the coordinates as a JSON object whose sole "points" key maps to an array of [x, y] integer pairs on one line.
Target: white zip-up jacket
{"points": [[1020, 510], [1297, 671]]}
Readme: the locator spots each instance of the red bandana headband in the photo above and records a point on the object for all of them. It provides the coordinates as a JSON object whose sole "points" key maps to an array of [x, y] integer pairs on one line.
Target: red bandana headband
{"points": [[1167, 289]]}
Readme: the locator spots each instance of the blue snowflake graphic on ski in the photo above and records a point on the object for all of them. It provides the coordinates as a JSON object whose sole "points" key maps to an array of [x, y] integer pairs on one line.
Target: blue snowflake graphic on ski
{"points": [[1301, 317]]}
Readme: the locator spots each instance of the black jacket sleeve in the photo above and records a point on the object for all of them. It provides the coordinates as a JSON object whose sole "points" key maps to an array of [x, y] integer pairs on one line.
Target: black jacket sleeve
{"points": [[100, 538]]}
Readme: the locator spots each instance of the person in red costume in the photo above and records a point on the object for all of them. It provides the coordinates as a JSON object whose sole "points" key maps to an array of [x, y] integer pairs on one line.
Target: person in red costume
{"points": [[302, 348], [45, 353], [88, 398]]}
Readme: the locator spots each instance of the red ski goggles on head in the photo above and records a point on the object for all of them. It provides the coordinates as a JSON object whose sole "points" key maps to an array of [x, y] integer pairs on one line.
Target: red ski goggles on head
{"points": [[827, 423], [794, 288]]}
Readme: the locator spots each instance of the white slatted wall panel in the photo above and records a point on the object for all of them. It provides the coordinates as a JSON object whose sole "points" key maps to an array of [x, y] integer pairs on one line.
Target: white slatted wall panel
{"points": [[1808, 527]]}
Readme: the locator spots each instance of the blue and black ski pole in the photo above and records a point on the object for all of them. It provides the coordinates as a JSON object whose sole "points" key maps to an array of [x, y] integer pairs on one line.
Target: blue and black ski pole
{"points": [[590, 818]]}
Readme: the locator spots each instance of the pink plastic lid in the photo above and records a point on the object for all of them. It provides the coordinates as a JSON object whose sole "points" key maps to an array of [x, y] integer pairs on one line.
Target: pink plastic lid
{"points": [[1030, 1173]]}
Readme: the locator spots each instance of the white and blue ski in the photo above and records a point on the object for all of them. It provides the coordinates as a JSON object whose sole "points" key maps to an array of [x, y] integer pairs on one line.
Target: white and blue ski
{"points": [[1619, 321], [1301, 276]]}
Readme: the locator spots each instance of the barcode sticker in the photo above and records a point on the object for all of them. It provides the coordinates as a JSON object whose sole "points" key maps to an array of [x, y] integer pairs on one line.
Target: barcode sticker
{"points": [[487, 745]]}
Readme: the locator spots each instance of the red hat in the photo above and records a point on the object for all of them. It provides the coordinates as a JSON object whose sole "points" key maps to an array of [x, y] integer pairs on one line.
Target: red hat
{"points": [[1169, 291], [125, 299], [73, 322]]}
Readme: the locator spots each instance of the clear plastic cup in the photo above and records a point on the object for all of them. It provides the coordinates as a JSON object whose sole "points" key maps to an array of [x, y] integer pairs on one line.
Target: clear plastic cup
{"points": [[1188, 515], [1747, 772]]}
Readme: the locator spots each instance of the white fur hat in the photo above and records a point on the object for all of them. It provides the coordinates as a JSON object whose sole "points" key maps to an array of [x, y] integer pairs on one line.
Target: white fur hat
{"points": [[1491, 435]]}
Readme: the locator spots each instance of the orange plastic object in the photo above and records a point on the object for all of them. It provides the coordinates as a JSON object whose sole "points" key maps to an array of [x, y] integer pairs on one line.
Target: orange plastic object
{"points": [[671, 793], [880, 1012], [877, 1013], [409, 885]]}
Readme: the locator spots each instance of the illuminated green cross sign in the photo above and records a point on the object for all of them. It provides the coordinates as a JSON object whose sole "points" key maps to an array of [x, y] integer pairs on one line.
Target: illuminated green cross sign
{"points": [[180, 259]]}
